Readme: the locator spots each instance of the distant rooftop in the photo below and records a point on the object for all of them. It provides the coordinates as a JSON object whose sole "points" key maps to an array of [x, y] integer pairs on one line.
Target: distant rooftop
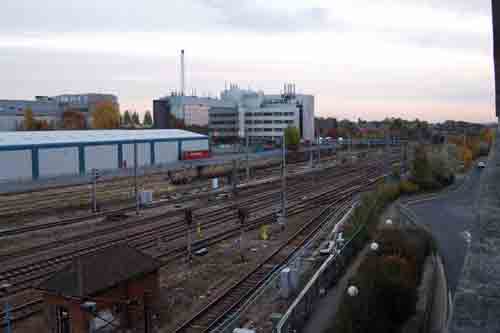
{"points": [[22, 138]]}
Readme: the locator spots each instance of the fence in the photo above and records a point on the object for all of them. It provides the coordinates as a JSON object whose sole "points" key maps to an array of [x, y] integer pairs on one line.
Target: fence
{"points": [[325, 277], [273, 296]]}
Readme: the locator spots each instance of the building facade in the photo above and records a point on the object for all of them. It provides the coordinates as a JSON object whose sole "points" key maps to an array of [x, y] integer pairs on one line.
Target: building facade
{"points": [[239, 113], [51, 109], [26, 156]]}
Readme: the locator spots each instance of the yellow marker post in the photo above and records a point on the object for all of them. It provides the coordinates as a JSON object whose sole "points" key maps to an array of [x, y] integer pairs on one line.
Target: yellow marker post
{"points": [[198, 230]]}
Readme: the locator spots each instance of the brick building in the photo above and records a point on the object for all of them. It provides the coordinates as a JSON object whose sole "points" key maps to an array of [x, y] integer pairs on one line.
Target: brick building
{"points": [[111, 290]]}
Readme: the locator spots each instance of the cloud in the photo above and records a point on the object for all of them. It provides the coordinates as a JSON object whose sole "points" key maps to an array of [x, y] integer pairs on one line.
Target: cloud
{"points": [[248, 15]]}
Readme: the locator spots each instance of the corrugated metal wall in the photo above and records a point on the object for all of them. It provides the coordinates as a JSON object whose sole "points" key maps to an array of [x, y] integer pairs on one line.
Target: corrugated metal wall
{"points": [[101, 157], [166, 152], [15, 165], [143, 154], [58, 161]]}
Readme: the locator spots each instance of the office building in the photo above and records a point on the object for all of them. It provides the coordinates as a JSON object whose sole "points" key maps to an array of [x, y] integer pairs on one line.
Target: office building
{"points": [[240, 112], [51, 109]]}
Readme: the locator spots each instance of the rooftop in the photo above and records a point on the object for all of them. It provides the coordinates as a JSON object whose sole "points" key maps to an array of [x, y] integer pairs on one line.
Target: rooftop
{"points": [[96, 272], [39, 138]]}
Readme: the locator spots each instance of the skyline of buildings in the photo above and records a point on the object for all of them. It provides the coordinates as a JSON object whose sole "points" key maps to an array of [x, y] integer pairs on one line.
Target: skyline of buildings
{"points": [[240, 112]]}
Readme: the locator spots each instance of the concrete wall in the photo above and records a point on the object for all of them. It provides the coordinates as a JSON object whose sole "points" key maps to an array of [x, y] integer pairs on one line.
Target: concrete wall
{"points": [[101, 157], [166, 152], [15, 165], [58, 161]]}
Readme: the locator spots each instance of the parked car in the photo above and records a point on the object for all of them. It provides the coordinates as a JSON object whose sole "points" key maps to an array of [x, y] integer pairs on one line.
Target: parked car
{"points": [[481, 165]]}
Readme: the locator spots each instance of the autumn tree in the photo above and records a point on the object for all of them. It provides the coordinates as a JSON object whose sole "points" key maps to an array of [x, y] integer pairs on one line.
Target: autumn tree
{"points": [[73, 119], [148, 120], [30, 123], [106, 116]]}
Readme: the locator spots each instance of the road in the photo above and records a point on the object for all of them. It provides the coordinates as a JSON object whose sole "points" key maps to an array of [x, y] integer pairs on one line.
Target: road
{"points": [[448, 216]]}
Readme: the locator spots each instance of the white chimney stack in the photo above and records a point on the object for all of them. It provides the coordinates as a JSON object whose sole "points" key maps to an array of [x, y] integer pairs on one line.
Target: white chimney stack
{"points": [[182, 73]]}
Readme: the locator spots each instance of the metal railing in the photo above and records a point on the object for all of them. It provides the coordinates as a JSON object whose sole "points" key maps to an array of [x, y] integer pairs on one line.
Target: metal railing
{"points": [[271, 291], [323, 279]]}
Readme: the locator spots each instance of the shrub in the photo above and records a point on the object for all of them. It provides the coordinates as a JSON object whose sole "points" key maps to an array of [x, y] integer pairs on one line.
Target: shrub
{"points": [[408, 187]]}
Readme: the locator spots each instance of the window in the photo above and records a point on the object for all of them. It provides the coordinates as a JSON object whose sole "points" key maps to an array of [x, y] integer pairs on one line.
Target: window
{"points": [[278, 121], [268, 121], [268, 129], [278, 130]]}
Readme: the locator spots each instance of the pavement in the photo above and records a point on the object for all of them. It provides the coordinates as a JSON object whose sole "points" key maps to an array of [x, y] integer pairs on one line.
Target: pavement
{"points": [[448, 216], [477, 300]]}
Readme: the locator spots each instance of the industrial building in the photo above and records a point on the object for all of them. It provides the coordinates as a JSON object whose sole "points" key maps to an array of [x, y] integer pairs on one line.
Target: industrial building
{"points": [[36, 155], [239, 113], [51, 109], [190, 110]]}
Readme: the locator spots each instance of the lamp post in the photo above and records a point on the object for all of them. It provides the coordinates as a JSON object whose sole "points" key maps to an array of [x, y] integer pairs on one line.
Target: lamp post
{"points": [[7, 320]]}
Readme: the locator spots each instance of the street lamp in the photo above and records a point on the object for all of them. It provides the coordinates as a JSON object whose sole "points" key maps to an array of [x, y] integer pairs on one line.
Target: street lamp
{"points": [[388, 222], [352, 291]]}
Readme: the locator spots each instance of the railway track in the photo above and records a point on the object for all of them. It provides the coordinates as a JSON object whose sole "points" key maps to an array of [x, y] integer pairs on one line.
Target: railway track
{"points": [[227, 303], [103, 215], [146, 243], [22, 276]]}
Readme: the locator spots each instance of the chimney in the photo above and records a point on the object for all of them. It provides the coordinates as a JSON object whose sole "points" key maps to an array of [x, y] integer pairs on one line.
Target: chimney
{"points": [[182, 73]]}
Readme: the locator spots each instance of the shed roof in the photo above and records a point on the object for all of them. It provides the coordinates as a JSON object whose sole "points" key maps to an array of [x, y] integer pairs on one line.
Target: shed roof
{"points": [[98, 271], [22, 138]]}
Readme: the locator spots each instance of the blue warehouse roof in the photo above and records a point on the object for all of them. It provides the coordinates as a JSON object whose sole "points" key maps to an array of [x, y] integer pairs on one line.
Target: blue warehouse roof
{"points": [[63, 138]]}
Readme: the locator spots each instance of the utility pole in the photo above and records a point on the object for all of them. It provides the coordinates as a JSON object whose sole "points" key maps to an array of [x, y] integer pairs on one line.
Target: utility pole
{"points": [[95, 177], [242, 216], [136, 190], [388, 155], [234, 176], [188, 214], [283, 183], [247, 138], [319, 152]]}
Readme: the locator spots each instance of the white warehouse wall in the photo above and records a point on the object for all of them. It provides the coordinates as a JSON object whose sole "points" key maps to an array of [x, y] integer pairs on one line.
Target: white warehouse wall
{"points": [[101, 157], [58, 161], [15, 165], [143, 154], [194, 145], [166, 152]]}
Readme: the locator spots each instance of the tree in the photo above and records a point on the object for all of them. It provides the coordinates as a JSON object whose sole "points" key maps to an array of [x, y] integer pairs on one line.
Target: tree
{"points": [[135, 119], [127, 120], [73, 119], [292, 136], [106, 116], [148, 120], [30, 123]]}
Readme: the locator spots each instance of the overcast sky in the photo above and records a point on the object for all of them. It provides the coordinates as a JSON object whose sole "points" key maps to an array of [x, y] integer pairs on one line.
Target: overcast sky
{"points": [[426, 59]]}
